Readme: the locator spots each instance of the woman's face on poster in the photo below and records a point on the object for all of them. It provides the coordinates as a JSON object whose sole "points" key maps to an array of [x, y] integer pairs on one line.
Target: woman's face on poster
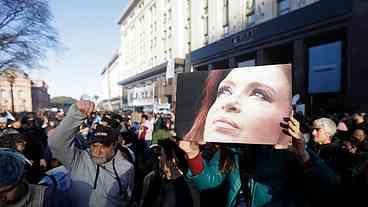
{"points": [[250, 105]]}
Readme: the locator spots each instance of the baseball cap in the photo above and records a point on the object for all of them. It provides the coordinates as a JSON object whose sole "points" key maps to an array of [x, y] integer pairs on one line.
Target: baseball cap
{"points": [[103, 134]]}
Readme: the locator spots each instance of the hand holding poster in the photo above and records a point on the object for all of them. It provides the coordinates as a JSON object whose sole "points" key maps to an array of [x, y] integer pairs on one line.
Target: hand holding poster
{"points": [[243, 105]]}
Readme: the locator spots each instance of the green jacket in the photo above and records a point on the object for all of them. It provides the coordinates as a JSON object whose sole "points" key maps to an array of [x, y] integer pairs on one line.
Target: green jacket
{"points": [[212, 177], [279, 179]]}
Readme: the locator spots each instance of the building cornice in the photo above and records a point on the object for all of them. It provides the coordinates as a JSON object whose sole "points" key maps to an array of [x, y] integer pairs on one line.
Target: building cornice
{"points": [[127, 11], [158, 69], [114, 58]]}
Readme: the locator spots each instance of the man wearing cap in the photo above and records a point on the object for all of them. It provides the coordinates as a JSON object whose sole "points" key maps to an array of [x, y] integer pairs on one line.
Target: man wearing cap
{"points": [[16, 192], [101, 176]]}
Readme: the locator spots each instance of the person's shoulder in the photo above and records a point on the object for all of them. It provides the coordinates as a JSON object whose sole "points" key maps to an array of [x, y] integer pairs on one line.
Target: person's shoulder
{"points": [[149, 177], [122, 163]]}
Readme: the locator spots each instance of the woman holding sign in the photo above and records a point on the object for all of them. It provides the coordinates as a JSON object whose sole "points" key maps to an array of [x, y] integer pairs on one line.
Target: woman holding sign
{"points": [[249, 108]]}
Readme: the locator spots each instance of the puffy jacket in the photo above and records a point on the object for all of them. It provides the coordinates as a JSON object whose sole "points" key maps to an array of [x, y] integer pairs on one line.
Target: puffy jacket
{"points": [[92, 185]]}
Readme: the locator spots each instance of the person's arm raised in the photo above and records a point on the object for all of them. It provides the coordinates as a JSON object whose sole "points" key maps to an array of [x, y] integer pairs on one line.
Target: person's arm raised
{"points": [[297, 139], [194, 158], [61, 141], [319, 180]]}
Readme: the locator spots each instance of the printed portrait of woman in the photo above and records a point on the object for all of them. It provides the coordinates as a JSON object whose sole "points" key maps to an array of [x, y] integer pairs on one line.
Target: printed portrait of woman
{"points": [[244, 105]]}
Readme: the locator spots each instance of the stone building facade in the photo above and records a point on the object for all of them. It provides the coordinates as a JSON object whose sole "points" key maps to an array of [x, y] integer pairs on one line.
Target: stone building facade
{"points": [[16, 83]]}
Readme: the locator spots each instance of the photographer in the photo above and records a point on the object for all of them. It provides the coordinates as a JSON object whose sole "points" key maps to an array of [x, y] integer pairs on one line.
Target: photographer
{"points": [[101, 175]]}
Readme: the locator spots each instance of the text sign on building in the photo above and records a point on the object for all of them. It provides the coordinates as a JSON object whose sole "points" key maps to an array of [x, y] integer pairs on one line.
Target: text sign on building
{"points": [[141, 96], [244, 37], [325, 68]]}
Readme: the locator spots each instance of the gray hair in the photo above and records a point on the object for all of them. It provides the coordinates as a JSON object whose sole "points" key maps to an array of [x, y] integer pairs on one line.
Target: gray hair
{"points": [[327, 124]]}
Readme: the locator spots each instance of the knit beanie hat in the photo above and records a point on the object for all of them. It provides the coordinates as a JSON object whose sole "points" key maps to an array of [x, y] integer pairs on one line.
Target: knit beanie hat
{"points": [[11, 167]]}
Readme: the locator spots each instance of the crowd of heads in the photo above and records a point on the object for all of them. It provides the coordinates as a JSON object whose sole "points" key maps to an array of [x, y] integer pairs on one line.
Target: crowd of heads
{"points": [[103, 133], [26, 157]]}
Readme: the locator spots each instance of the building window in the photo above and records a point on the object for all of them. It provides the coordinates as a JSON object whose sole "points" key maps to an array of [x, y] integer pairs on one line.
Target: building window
{"points": [[205, 25], [3, 93], [205, 4], [188, 8], [169, 32], [164, 18], [205, 29], [251, 19], [205, 40], [170, 81], [20, 94], [225, 22], [250, 12], [169, 15], [283, 7], [170, 53], [141, 4]]}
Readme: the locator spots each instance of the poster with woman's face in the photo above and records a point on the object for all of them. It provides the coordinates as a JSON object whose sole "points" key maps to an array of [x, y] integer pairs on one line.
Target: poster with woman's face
{"points": [[240, 105]]}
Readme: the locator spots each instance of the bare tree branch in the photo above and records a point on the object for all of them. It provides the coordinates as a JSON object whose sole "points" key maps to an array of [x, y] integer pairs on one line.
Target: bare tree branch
{"points": [[26, 32]]}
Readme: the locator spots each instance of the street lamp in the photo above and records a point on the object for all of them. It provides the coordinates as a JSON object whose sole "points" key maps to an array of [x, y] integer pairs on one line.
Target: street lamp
{"points": [[11, 79]]}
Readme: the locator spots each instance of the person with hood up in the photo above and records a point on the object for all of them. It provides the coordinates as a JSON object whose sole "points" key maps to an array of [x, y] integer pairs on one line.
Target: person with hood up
{"points": [[101, 175]]}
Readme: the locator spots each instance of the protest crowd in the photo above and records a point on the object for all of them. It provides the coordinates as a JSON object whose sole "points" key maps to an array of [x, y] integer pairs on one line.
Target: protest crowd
{"points": [[85, 157]]}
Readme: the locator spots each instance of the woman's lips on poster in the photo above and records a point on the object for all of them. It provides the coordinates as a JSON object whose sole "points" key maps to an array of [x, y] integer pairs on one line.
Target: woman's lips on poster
{"points": [[225, 124]]}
